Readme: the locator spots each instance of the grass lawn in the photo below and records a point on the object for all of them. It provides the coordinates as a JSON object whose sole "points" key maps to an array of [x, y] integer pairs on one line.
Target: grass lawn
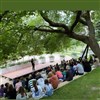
{"points": [[84, 88]]}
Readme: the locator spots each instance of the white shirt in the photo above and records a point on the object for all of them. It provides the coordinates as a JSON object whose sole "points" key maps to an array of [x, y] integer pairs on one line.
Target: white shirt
{"points": [[48, 87], [40, 93], [75, 67], [80, 68], [40, 82], [19, 97]]}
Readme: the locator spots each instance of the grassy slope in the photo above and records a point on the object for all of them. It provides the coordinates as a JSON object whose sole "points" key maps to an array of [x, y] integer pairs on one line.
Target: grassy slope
{"points": [[84, 88]]}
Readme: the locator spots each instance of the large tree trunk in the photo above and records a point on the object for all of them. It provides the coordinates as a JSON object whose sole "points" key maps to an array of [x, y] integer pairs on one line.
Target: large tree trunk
{"points": [[92, 43]]}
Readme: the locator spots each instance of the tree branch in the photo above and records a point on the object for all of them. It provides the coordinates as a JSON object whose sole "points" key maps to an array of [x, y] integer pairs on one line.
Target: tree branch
{"points": [[78, 37], [83, 22], [66, 30], [73, 35], [48, 30], [51, 23], [89, 24], [76, 20], [44, 26]]}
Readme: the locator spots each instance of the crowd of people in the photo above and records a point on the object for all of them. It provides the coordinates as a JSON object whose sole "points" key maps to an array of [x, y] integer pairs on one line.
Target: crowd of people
{"points": [[43, 83]]}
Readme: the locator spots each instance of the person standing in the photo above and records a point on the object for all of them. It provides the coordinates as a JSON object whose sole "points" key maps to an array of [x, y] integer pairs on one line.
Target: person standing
{"points": [[33, 64]]}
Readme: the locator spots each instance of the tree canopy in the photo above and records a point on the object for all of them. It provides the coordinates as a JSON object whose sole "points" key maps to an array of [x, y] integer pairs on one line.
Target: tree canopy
{"points": [[37, 32]]}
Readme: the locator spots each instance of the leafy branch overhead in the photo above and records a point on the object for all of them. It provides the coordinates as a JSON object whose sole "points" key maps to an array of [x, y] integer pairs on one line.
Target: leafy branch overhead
{"points": [[65, 29], [36, 32], [89, 40]]}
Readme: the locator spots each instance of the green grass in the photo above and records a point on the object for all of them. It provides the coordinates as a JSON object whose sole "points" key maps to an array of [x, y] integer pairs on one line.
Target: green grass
{"points": [[84, 88]]}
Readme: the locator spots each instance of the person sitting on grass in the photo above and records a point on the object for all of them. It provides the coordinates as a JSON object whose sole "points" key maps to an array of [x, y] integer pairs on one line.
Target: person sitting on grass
{"points": [[86, 65], [18, 84], [30, 82], [64, 73], [69, 74], [6, 89], [79, 69], [37, 92], [72, 69], [2, 90], [48, 69], [48, 88], [21, 94], [43, 74], [59, 75], [40, 81], [11, 92], [57, 67], [75, 66], [53, 79]]}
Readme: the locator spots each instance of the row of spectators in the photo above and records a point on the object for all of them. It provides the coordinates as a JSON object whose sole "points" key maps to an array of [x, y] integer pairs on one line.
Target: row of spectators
{"points": [[42, 84]]}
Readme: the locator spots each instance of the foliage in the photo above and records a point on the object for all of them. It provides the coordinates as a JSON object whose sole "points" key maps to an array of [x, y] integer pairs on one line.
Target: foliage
{"points": [[18, 37]]}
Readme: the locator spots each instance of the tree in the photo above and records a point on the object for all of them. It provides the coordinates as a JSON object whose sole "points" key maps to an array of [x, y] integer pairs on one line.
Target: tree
{"points": [[36, 32], [83, 17], [18, 38]]}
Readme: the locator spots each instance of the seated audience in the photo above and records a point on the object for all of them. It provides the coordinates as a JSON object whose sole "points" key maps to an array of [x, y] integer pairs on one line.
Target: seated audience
{"points": [[40, 81], [23, 80], [64, 73], [57, 67], [79, 69], [30, 83], [37, 92], [59, 75], [48, 88], [53, 79], [43, 74], [48, 69], [18, 84], [14, 82], [86, 65], [69, 75], [21, 94], [11, 92], [6, 89], [29, 77], [75, 66], [2, 90]]}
